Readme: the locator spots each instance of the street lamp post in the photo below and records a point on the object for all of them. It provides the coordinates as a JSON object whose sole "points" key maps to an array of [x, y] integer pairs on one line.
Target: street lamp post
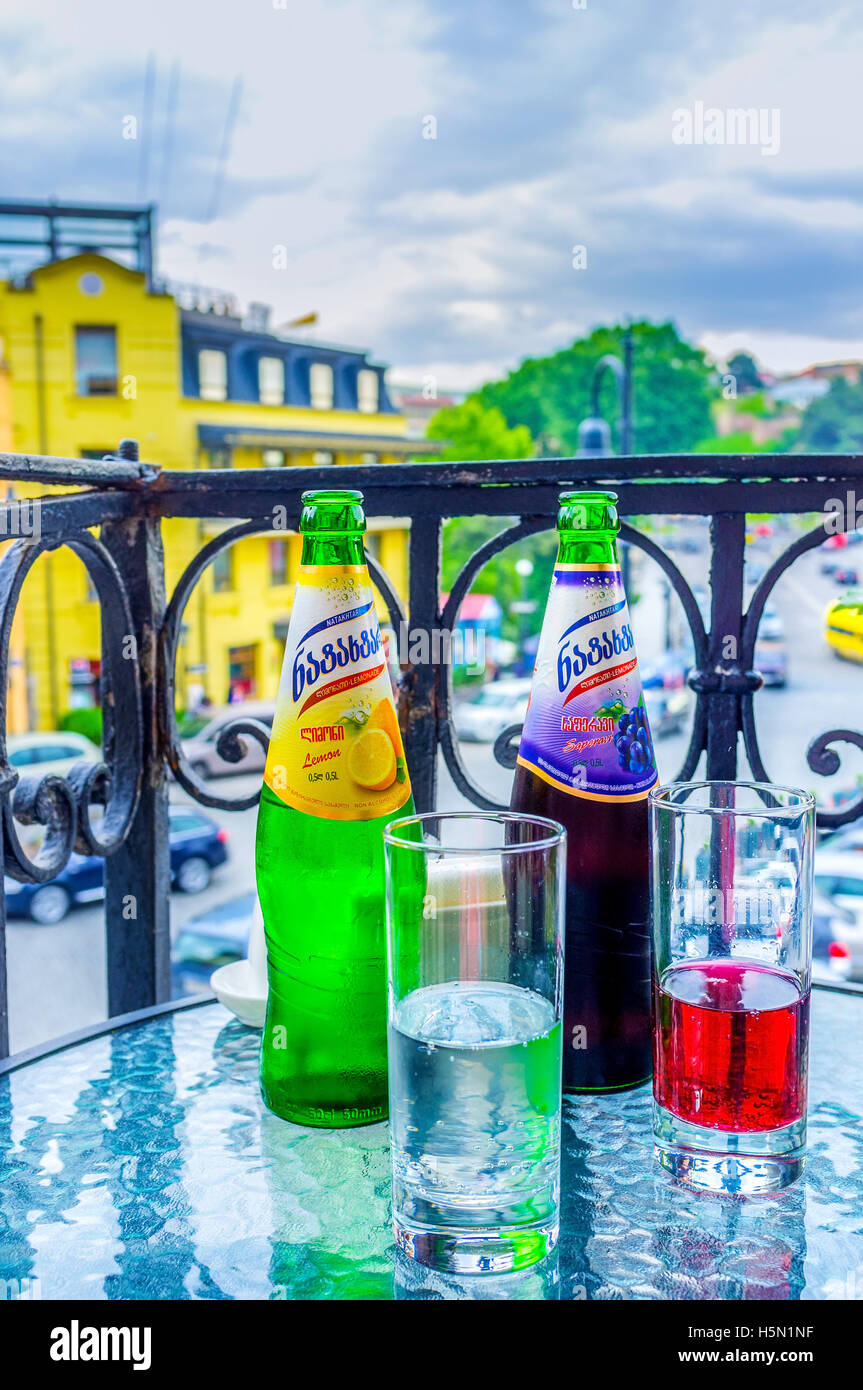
{"points": [[523, 606], [594, 433]]}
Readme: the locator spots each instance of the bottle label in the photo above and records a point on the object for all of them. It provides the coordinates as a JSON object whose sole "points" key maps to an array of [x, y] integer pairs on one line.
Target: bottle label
{"points": [[586, 729], [336, 750]]}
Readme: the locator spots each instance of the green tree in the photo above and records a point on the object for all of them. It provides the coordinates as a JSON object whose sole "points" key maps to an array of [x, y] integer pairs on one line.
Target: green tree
{"points": [[473, 431], [833, 424], [744, 369], [740, 442], [673, 388]]}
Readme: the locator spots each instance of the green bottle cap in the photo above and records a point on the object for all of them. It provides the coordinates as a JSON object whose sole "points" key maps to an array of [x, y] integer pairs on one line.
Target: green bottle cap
{"points": [[333, 511], [588, 511]]}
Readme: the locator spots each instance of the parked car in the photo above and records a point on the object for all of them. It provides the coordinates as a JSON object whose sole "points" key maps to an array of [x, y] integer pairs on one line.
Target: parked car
{"points": [[489, 711], [771, 662], [668, 671], [667, 710], [197, 847], [200, 750], [839, 877], [771, 627], [213, 938], [831, 926], [38, 754]]}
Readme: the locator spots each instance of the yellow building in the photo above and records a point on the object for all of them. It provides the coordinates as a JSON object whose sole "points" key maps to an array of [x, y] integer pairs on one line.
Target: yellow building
{"points": [[90, 352]]}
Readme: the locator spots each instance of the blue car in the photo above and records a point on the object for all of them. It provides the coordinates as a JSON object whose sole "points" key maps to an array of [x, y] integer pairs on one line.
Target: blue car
{"points": [[197, 845], [213, 938]]}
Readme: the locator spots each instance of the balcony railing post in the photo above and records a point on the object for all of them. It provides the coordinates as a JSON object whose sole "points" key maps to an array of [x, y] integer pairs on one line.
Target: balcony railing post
{"points": [[138, 874], [728, 540], [419, 683]]}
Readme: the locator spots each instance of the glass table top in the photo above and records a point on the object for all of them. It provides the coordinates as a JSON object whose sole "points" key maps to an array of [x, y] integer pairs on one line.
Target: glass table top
{"points": [[141, 1163]]}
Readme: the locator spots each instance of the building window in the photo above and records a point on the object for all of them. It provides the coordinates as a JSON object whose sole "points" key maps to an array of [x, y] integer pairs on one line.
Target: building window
{"points": [[321, 386], [368, 391], [95, 361], [271, 381], [278, 562], [242, 664], [368, 459], [212, 375], [223, 571], [322, 457], [217, 458], [273, 458]]}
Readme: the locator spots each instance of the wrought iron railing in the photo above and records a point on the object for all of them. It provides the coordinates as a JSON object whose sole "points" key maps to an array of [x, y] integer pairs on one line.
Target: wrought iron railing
{"points": [[127, 500]]}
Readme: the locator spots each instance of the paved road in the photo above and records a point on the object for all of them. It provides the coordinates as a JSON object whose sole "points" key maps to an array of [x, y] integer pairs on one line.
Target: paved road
{"points": [[57, 973]]}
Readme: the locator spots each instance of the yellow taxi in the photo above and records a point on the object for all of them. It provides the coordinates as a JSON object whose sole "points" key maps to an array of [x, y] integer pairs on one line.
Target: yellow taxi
{"points": [[844, 626]]}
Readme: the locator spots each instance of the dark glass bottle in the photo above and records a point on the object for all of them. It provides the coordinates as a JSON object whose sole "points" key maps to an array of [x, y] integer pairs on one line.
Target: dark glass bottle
{"points": [[586, 759]]}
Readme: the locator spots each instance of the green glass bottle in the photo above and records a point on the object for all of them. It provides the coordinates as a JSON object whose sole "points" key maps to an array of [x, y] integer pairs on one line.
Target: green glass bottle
{"points": [[335, 776]]}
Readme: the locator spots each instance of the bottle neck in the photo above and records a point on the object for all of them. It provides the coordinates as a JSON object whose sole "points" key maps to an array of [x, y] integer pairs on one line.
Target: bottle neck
{"points": [[594, 548], [339, 549]]}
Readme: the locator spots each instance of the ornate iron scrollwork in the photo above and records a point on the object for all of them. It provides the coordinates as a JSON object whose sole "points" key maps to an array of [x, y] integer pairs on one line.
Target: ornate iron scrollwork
{"points": [[63, 805], [820, 756]]}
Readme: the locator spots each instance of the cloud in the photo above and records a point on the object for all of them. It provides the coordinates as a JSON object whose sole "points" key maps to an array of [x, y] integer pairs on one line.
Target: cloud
{"points": [[553, 129]]}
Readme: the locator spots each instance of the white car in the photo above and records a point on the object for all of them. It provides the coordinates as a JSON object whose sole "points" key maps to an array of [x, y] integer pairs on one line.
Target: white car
{"points": [[839, 877], [492, 709], [200, 749], [35, 755]]}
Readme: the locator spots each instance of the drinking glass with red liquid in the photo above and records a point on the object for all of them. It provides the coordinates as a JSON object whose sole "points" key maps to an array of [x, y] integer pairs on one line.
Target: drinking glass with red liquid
{"points": [[731, 920]]}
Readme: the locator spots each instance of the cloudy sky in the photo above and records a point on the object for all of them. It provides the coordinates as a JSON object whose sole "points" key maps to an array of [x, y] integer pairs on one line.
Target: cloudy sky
{"points": [[553, 125]]}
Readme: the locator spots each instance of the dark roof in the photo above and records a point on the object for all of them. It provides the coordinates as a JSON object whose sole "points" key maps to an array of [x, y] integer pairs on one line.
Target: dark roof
{"points": [[252, 437]]}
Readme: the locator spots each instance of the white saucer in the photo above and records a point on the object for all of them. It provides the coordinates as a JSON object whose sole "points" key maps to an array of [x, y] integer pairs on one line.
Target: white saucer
{"points": [[236, 987]]}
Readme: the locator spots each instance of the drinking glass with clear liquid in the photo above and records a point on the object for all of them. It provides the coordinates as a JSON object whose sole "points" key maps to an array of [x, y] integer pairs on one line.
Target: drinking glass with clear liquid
{"points": [[731, 913], [475, 907]]}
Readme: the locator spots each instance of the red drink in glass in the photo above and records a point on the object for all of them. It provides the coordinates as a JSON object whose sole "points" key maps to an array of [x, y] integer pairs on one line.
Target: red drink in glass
{"points": [[731, 1045]]}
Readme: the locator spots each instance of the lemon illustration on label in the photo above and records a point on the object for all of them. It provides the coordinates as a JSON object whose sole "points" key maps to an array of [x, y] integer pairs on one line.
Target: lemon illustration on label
{"points": [[336, 750], [372, 760], [383, 716]]}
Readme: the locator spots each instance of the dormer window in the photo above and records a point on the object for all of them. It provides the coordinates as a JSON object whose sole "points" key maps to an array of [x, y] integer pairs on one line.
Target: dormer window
{"points": [[321, 386], [212, 375], [271, 381], [368, 391]]}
